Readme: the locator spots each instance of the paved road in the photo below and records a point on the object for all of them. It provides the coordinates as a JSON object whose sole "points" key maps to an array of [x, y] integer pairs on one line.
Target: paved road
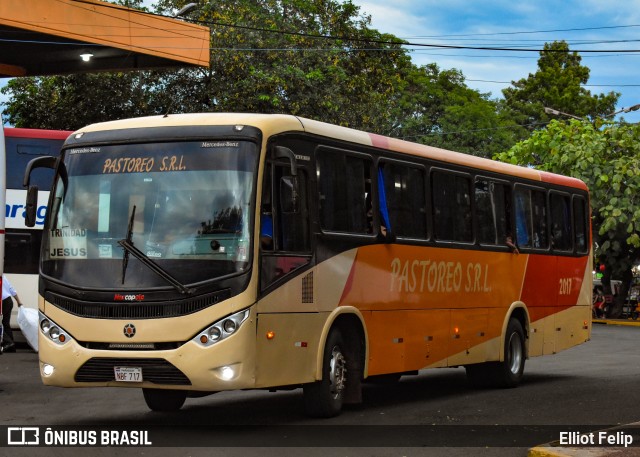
{"points": [[587, 387]]}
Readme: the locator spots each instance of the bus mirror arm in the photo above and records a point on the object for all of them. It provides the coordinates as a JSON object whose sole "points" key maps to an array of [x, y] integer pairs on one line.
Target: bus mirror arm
{"points": [[38, 162], [286, 153]]}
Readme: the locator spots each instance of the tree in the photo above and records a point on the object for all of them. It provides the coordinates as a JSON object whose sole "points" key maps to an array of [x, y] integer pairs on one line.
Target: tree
{"points": [[435, 107], [267, 56], [275, 56], [607, 158], [69, 102], [558, 84]]}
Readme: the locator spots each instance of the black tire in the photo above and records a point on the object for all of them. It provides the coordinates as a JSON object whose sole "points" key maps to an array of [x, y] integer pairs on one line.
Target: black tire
{"points": [[164, 400], [504, 374], [325, 398]]}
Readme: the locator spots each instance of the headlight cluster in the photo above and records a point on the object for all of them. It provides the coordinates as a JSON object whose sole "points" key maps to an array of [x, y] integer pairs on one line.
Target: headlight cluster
{"points": [[52, 330], [222, 329]]}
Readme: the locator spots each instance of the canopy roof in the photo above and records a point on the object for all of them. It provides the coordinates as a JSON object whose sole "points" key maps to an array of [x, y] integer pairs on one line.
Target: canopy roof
{"points": [[45, 37]]}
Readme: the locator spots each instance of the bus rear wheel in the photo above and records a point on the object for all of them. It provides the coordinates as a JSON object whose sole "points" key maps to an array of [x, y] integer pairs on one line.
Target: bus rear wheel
{"points": [[164, 400], [325, 398], [507, 373]]}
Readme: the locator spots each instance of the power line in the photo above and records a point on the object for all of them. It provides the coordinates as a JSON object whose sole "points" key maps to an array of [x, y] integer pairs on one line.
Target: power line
{"points": [[582, 29], [584, 85]]}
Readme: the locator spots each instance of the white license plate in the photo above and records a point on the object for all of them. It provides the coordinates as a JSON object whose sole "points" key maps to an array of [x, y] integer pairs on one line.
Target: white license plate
{"points": [[128, 374]]}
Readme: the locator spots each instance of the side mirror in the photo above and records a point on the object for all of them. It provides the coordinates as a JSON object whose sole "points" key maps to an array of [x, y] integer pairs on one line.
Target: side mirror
{"points": [[38, 162], [31, 206]]}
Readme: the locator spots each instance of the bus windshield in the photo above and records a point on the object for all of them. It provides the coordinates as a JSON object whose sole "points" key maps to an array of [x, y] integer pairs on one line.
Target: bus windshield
{"points": [[183, 207]]}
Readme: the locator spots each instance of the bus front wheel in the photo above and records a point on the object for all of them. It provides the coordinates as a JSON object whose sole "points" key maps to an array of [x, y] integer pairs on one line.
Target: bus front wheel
{"points": [[164, 400], [325, 398]]}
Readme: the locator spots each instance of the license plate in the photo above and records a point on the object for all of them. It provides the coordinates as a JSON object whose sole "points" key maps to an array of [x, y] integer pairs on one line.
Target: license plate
{"points": [[128, 374]]}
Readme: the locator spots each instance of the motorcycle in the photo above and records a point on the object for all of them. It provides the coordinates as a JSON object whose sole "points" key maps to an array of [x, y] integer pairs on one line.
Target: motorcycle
{"points": [[631, 309]]}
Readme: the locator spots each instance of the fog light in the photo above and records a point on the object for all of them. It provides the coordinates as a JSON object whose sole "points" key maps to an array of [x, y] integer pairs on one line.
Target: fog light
{"points": [[47, 369], [227, 373]]}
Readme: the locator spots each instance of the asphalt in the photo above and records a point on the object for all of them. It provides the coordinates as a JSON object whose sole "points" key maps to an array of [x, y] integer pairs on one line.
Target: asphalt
{"points": [[554, 449]]}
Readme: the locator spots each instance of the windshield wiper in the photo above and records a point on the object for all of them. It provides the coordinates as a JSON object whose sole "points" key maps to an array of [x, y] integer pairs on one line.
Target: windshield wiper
{"points": [[129, 248]]}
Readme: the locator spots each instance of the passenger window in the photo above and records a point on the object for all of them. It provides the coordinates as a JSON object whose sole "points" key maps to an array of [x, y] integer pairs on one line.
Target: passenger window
{"points": [[493, 211], [405, 199], [451, 195], [344, 182], [531, 218], [561, 231], [581, 224], [539, 219]]}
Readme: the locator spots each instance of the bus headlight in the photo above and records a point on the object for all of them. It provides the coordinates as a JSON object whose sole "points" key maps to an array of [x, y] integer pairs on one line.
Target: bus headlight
{"points": [[52, 331], [221, 329]]}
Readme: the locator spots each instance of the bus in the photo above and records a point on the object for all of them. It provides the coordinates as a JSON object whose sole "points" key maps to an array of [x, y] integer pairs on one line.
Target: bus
{"points": [[22, 243], [3, 174], [197, 253]]}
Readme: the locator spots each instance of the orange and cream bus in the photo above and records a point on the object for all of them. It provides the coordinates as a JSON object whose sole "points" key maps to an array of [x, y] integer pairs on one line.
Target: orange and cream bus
{"points": [[190, 254]]}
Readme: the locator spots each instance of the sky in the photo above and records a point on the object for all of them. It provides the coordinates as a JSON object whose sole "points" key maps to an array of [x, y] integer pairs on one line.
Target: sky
{"points": [[610, 27]]}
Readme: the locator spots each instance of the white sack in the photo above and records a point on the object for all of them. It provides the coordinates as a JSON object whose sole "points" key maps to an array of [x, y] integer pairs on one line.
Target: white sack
{"points": [[28, 322]]}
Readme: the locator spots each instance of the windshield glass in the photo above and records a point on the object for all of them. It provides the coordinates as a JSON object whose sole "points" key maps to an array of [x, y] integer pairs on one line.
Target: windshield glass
{"points": [[185, 206]]}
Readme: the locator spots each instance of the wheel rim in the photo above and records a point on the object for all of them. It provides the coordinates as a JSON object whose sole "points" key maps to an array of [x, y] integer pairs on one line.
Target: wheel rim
{"points": [[515, 353], [337, 372]]}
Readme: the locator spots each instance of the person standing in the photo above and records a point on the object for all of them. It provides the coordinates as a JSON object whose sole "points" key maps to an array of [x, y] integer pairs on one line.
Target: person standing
{"points": [[8, 344]]}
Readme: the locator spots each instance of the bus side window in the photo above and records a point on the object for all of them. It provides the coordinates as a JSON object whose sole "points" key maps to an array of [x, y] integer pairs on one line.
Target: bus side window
{"points": [[451, 195], [493, 212], [404, 190], [581, 225], [343, 183], [561, 231], [539, 208]]}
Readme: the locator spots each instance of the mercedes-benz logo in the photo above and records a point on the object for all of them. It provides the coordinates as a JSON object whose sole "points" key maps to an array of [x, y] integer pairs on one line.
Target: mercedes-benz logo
{"points": [[129, 330]]}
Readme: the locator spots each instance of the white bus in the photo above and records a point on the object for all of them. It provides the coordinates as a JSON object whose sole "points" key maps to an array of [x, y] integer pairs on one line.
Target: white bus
{"points": [[22, 243]]}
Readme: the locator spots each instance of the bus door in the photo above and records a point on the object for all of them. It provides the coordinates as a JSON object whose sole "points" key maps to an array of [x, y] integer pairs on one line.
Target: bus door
{"points": [[288, 327], [284, 223]]}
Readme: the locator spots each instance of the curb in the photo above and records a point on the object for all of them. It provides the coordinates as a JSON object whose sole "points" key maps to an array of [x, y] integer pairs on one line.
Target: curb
{"points": [[625, 322], [541, 451]]}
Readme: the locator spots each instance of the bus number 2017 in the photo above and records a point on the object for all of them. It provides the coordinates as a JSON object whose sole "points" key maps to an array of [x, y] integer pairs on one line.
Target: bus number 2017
{"points": [[565, 286]]}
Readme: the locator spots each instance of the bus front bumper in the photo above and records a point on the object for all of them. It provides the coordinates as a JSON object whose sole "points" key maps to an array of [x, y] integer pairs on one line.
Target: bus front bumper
{"points": [[226, 365]]}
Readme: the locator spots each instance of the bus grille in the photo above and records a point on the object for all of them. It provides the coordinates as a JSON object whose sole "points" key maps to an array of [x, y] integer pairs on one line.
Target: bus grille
{"points": [[149, 310], [157, 371]]}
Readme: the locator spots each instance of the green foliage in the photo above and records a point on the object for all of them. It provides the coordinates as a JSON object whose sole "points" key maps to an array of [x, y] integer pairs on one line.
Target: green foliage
{"points": [[558, 84], [346, 81], [318, 59], [69, 102], [607, 158], [435, 107]]}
